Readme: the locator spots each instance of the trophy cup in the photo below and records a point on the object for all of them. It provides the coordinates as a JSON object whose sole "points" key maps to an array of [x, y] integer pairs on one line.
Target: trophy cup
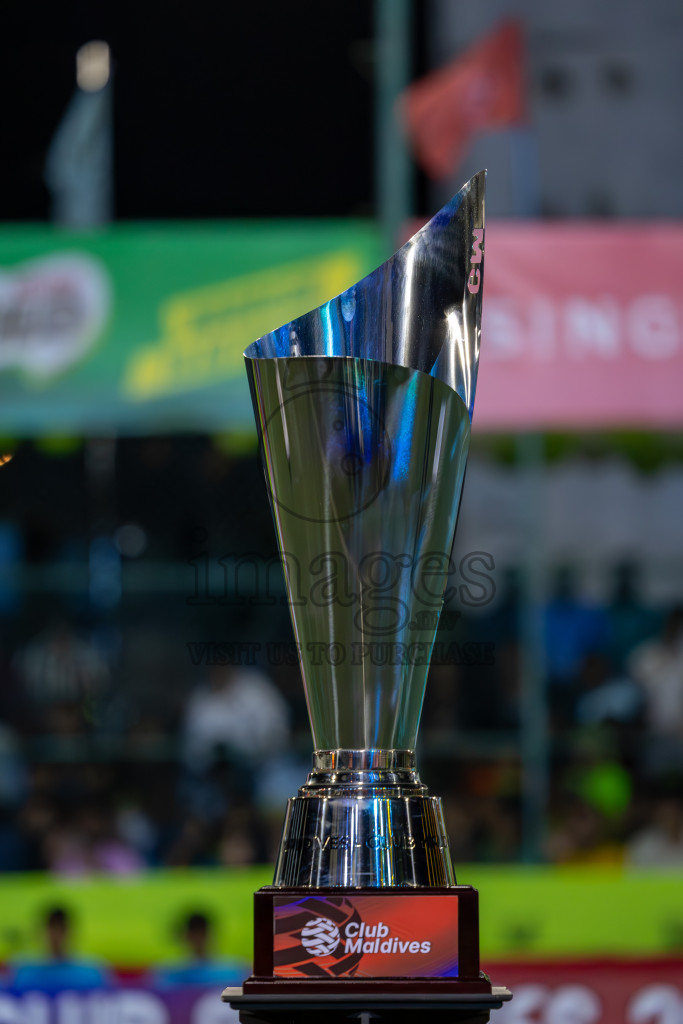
{"points": [[363, 408]]}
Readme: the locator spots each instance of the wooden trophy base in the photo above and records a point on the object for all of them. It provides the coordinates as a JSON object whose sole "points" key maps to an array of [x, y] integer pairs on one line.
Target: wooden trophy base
{"points": [[386, 952]]}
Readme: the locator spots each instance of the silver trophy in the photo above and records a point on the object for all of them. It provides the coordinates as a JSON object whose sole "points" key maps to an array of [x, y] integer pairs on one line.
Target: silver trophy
{"points": [[363, 408]]}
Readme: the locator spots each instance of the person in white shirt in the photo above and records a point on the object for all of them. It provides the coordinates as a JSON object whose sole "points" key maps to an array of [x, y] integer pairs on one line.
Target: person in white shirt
{"points": [[240, 710]]}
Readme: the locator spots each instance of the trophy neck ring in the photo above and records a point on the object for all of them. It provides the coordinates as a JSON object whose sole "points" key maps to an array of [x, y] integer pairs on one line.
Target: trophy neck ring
{"points": [[363, 760], [361, 769]]}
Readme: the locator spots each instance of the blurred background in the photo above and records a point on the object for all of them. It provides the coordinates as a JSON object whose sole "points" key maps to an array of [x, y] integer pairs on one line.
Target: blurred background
{"points": [[174, 183]]}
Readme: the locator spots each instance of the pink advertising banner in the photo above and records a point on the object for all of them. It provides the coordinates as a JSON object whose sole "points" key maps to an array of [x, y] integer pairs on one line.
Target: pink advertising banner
{"points": [[591, 991], [582, 326]]}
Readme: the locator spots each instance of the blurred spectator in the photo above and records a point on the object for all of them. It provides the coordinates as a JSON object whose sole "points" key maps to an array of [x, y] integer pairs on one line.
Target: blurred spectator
{"points": [[190, 847], [60, 670], [11, 552], [581, 835], [232, 728], [660, 843], [35, 819], [135, 828], [604, 697], [630, 622], [280, 779], [89, 844], [242, 841], [572, 630], [498, 831], [239, 711], [657, 666], [12, 791], [59, 969], [201, 966]]}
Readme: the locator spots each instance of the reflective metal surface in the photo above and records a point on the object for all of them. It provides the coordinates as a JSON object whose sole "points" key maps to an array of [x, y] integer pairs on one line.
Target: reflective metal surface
{"points": [[363, 408], [364, 819], [421, 309], [365, 463]]}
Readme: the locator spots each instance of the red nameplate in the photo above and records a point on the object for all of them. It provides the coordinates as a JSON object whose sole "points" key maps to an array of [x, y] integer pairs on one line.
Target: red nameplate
{"points": [[349, 936], [375, 940]]}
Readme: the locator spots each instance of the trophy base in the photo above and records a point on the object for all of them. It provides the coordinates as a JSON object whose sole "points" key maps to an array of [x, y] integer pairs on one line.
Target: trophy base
{"points": [[328, 942], [365, 912], [364, 819]]}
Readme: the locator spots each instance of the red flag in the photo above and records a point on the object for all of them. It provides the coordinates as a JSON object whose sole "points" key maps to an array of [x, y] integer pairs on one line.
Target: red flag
{"points": [[481, 89]]}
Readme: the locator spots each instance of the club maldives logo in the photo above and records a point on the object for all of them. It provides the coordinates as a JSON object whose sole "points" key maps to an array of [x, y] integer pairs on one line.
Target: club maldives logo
{"points": [[321, 937]]}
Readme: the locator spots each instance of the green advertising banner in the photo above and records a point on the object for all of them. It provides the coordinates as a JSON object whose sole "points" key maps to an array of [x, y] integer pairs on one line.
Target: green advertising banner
{"points": [[141, 327], [524, 911]]}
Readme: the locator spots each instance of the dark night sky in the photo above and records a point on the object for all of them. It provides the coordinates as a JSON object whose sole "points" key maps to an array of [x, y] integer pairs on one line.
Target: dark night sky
{"points": [[221, 109]]}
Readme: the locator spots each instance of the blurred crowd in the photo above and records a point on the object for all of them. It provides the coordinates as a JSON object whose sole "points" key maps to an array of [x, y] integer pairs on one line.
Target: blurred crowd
{"points": [[613, 681], [131, 736], [199, 796], [57, 967]]}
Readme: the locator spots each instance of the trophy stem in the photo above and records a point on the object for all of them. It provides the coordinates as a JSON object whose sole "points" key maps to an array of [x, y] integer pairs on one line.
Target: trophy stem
{"points": [[364, 819]]}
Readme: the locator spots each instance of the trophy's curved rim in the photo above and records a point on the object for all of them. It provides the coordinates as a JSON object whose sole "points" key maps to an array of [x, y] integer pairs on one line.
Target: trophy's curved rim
{"points": [[425, 243], [480, 178]]}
